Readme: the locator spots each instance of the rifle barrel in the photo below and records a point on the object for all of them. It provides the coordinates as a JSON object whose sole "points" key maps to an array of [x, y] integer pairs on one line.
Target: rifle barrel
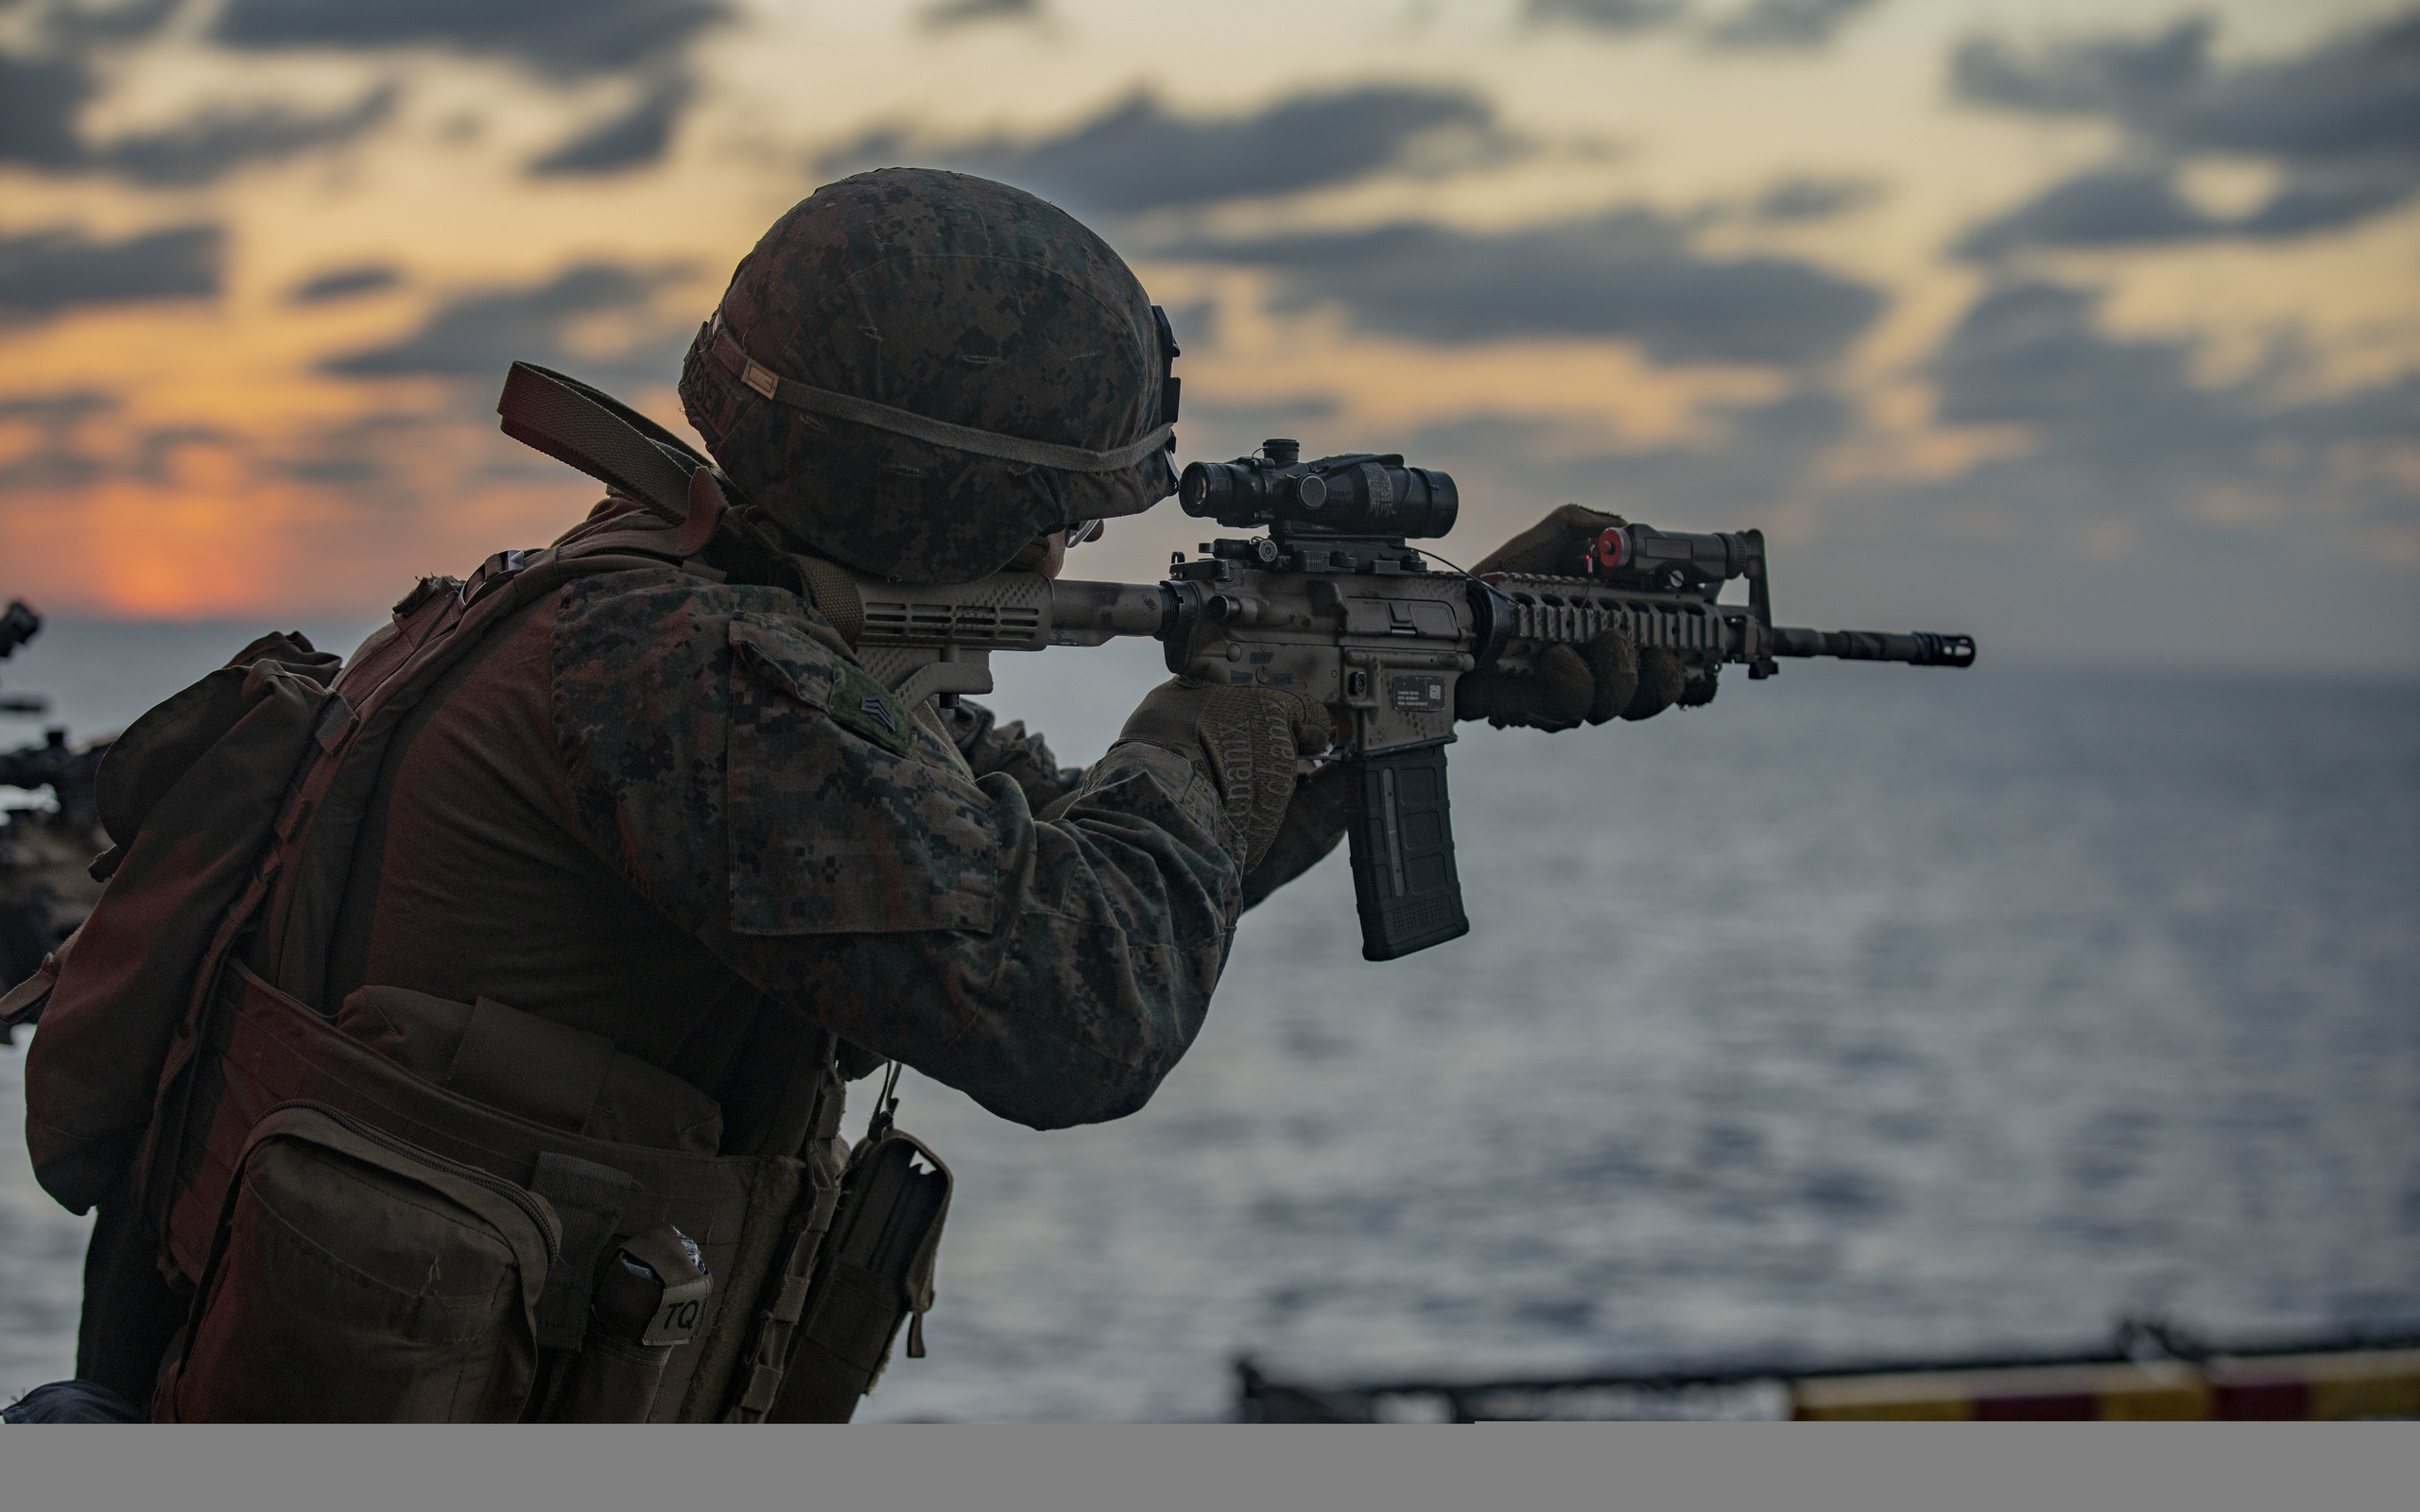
{"points": [[1917, 648]]}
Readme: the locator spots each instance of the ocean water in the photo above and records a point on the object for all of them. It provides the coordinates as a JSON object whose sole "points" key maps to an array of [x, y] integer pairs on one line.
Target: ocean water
{"points": [[1869, 1011]]}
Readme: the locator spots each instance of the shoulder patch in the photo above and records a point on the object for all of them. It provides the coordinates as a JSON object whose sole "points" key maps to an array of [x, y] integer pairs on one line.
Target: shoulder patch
{"points": [[861, 704]]}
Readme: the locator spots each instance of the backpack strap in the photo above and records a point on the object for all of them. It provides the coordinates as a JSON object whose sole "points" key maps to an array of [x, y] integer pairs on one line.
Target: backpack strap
{"points": [[600, 435]]}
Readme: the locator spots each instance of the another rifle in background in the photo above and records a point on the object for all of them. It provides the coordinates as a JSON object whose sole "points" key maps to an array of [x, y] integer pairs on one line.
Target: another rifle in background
{"points": [[44, 888]]}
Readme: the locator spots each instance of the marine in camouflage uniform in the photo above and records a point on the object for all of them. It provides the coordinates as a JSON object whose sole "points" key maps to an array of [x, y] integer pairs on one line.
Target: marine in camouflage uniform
{"points": [[675, 812]]}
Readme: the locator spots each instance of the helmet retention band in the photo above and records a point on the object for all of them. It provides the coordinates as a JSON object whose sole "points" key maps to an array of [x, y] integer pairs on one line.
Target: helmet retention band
{"points": [[924, 427]]}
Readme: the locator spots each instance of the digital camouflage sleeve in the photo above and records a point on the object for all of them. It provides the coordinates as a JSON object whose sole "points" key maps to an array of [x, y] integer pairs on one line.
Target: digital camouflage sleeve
{"points": [[1315, 823], [846, 857]]}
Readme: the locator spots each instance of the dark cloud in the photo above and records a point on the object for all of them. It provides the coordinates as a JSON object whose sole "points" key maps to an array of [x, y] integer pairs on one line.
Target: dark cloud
{"points": [[76, 25], [1784, 24], [2320, 197], [481, 334], [555, 38], [1632, 274], [2110, 207], [2340, 123], [46, 272], [2118, 75], [2119, 423], [43, 91], [345, 284], [947, 15], [1606, 15], [1758, 25], [378, 459], [2142, 205], [1806, 198], [2031, 355], [2352, 95], [1136, 155], [156, 449], [1766, 453], [53, 411], [58, 458], [213, 142], [633, 139], [42, 96], [66, 455]]}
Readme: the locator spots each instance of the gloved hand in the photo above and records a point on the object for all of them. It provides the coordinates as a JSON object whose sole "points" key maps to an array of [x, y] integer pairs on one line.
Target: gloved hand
{"points": [[1243, 739], [1607, 676], [1556, 546]]}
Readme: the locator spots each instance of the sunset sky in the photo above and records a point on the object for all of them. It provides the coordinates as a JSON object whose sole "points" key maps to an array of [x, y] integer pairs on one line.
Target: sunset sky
{"points": [[2091, 328]]}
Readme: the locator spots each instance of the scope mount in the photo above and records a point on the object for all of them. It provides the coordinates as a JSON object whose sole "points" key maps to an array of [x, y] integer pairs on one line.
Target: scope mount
{"points": [[1282, 552]]}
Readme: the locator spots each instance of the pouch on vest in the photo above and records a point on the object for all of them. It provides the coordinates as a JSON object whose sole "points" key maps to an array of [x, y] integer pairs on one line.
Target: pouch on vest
{"points": [[190, 794], [647, 1299], [271, 1049], [546, 1072], [875, 1272], [358, 1277]]}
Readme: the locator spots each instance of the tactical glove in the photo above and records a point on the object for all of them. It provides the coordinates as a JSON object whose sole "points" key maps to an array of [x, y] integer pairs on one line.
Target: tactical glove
{"points": [[1607, 676], [1244, 740], [1557, 546]]}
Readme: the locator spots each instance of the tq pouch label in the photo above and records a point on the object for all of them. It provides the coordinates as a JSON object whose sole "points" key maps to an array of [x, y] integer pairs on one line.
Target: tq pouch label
{"points": [[648, 1301]]}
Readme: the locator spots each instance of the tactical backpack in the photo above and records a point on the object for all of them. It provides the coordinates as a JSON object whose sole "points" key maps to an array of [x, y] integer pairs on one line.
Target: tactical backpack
{"points": [[381, 1215]]}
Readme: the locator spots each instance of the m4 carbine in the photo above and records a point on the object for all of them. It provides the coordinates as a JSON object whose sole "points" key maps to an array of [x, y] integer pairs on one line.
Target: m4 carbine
{"points": [[1335, 602]]}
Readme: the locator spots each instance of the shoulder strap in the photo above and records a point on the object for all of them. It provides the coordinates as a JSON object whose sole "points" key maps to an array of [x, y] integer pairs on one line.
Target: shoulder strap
{"points": [[599, 435]]}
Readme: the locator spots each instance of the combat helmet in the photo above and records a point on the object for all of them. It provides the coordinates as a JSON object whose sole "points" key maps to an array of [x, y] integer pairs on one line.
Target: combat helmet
{"points": [[917, 372]]}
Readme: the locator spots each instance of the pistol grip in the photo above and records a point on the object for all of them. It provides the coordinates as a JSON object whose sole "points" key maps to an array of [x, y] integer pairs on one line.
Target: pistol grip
{"points": [[1404, 883]]}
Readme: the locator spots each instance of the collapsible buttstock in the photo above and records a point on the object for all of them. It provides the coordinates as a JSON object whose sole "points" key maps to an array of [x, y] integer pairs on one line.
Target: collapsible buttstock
{"points": [[1405, 886]]}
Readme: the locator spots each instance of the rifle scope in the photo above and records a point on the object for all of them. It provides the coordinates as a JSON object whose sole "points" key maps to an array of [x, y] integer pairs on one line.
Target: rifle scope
{"points": [[1361, 494]]}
